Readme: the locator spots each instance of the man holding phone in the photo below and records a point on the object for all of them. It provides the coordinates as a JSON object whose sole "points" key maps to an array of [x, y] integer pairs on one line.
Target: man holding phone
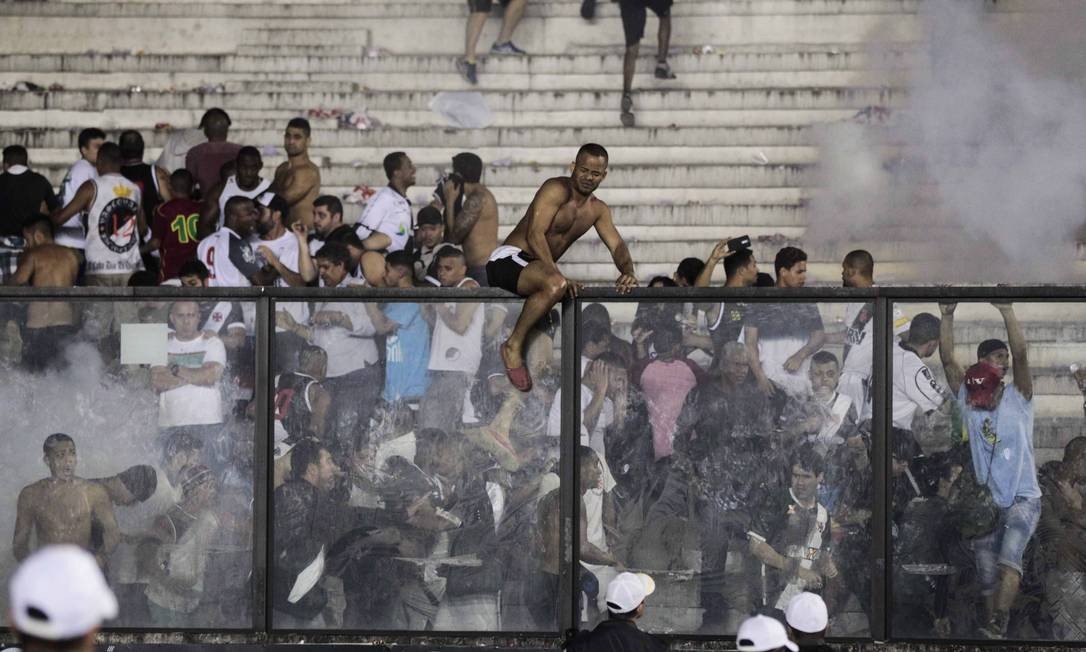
{"points": [[471, 213], [563, 209]]}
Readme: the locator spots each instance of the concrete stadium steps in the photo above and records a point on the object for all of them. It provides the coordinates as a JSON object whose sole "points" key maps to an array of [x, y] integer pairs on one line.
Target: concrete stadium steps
{"points": [[796, 57], [831, 97], [553, 158], [725, 149], [409, 28], [521, 117], [408, 138], [341, 8], [518, 183], [352, 82]]}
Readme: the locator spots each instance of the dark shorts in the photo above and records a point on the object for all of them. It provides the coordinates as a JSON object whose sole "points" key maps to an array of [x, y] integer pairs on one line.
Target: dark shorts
{"points": [[480, 275], [634, 13], [43, 348], [505, 271], [484, 6]]}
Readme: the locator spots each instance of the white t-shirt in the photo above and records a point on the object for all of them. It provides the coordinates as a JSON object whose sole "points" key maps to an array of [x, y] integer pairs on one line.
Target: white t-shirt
{"points": [[860, 335], [285, 248], [229, 258], [348, 350], [71, 233], [914, 388], [452, 351], [387, 212], [190, 405]]}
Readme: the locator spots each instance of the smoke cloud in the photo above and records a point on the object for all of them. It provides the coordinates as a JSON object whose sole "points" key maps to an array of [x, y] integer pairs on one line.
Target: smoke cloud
{"points": [[977, 174]]}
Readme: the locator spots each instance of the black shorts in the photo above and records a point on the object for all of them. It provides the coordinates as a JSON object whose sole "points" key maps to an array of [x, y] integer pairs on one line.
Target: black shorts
{"points": [[43, 348], [484, 6], [505, 272], [634, 13]]}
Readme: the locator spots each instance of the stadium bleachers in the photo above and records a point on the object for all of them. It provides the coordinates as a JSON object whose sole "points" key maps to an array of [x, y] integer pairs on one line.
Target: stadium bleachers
{"points": [[725, 149]]}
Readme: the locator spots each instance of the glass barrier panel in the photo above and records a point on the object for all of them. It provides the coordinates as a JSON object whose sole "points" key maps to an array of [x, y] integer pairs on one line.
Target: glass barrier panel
{"points": [[129, 434], [415, 488], [725, 453], [989, 532]]}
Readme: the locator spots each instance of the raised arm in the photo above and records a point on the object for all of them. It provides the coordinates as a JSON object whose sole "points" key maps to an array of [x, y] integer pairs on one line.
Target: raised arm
{"points": [[457, 227], [954, 372], [163, 178], [84, 197], [750, 334], [620, 253], [1023, 379], [306, 267], [719, 253], [209, 213]]}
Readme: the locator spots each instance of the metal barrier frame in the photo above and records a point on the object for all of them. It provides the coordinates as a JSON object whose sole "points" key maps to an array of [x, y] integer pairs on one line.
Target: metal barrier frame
{"points": [[262, 630]]}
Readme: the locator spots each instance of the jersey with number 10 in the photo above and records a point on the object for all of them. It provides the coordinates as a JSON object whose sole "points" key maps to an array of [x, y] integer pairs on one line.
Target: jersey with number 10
{"points": [[174, 227]]}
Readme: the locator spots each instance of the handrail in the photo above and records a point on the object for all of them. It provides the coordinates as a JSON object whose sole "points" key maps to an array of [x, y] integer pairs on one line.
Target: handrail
{"points": [[591, 293]]}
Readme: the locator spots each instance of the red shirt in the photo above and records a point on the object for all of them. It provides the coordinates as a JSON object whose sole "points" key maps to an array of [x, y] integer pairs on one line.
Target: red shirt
{"points": [[175, 228], [204, 161]]}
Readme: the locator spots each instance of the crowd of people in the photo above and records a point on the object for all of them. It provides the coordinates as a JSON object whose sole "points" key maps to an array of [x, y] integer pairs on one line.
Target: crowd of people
{"points": [[725, 447]]}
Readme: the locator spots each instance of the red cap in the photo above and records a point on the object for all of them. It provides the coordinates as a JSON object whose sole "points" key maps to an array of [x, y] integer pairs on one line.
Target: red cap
{"points": [[981, 382]]}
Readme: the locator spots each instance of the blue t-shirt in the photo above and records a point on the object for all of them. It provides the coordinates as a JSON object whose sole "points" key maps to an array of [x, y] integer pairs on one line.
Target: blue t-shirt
{"points": [[407, 352], [1011, 471]]}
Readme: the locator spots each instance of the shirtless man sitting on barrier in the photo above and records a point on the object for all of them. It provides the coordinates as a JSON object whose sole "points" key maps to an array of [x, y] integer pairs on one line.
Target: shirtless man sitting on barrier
{"points": [[526, 263]]}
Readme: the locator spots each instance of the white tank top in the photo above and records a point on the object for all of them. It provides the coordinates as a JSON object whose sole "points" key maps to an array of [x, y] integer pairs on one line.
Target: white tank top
{"points": [[451, 351], [113, 239], [232, 189]]}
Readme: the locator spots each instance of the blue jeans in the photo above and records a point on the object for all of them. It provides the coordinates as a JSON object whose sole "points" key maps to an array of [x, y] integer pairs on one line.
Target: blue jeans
{"points": [[1005, 545]]}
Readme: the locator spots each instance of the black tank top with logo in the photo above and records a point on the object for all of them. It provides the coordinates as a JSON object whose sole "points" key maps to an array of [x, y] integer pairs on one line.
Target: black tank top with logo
{"points": [[143, 175]]}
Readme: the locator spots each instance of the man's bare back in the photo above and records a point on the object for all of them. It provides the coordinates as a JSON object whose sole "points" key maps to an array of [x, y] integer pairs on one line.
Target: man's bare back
{"points": [[299, 182], [59, 511], [575, 216], [48, 266], [481, 209]]}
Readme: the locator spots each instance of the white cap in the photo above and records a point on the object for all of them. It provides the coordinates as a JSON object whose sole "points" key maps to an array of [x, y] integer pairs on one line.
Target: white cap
{"points": [[761, 634], [807, 613], [59, 593], [627, 591]]}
